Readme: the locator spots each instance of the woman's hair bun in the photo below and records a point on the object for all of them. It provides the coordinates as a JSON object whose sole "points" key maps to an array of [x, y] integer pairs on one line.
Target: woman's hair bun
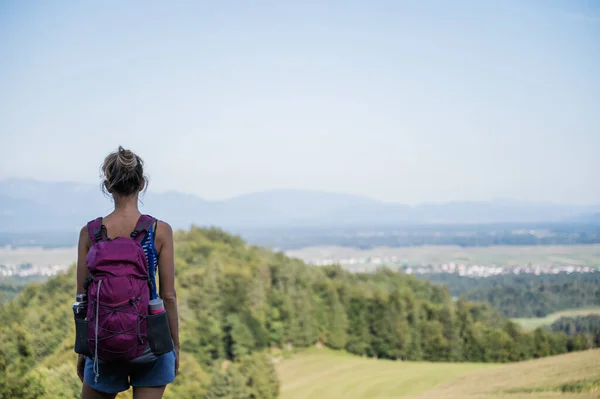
{"points": [[123, 172], [126, 159]]}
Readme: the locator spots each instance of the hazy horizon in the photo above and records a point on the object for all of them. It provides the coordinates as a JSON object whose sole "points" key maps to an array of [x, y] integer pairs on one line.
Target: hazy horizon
{"points": [[403, 102], [301, 190]]}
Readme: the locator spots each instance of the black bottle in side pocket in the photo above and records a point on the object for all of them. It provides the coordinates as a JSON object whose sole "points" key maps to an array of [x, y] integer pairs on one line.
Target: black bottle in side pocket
{"points": [[81, 325], [159, 333], [81, 338]]}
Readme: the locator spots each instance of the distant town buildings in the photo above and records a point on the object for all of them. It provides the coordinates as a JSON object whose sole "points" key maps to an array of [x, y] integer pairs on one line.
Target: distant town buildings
{"points": [[361, 265], [47, 265], [35, 261], [29, 270]]}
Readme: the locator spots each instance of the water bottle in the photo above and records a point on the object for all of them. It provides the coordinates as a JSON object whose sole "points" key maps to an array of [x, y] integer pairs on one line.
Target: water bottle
{"points": [[156, 306], [80, 306]]}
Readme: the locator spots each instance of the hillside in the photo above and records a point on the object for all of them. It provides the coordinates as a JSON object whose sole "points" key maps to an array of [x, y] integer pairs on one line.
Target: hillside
{"points": [[574, 375], [236, 301], [322, 373], [63, 205]]}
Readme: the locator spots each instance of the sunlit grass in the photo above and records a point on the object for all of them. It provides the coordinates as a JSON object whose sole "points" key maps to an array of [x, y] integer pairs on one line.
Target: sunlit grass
{"points": [[323, 373]]}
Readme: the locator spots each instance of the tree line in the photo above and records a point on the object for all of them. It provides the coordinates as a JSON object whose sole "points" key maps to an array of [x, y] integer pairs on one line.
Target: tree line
{"points": [[584, 328], [527, 295], [11, 286], [241, 305]]}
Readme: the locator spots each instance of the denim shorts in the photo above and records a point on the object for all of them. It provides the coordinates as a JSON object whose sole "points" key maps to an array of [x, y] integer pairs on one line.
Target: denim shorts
{"points": [[115, 378]]}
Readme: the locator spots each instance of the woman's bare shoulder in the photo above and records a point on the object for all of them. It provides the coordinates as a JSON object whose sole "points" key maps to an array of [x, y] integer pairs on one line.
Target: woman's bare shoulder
{"points": [[84, 237], [164, 232]]}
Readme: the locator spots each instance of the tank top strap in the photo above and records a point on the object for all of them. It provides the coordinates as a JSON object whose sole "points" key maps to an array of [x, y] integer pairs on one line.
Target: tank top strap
{"points": [[152, 258]]}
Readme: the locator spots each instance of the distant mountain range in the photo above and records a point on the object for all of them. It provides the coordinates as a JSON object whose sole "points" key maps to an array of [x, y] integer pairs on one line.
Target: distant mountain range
{"points": [[31, 205]]}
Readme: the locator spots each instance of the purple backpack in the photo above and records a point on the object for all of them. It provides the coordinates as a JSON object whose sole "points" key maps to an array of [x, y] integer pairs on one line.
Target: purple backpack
{"points": [[118, 293]]}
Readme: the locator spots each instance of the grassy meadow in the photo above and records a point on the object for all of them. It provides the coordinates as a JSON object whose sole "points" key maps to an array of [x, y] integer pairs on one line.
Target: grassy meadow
{"points": [[531, 323], [573, 375], [323, 373]]}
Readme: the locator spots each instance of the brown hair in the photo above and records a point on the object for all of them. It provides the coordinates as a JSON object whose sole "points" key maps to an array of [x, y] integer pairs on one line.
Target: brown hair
{"points": [[123, 173]]}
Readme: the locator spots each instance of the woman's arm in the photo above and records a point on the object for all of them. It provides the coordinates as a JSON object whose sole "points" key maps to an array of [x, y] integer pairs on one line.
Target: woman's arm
{"points": [[82, 272], [166, 274], [82, 250]]}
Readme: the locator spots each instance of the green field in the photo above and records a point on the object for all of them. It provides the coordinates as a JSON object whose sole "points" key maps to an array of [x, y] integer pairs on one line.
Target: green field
{"points": [[531, 323], [573, 375], [322, 373]]}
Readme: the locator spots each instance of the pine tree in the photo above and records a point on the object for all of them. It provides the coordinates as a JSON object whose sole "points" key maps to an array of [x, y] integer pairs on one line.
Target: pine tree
{"points": [[414, 349], [303, 326], [219, 386], [541, 343], [206, 339], [238, 340], [359, 339], [383, 336], [275, 326], [337, 323], [399, 316], [261, 376], [238, 383]]}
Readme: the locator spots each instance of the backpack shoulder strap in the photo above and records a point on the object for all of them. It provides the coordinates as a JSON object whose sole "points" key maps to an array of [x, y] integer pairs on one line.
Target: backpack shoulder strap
{"points": [[154, 228], [95, 230], [142, 227]]}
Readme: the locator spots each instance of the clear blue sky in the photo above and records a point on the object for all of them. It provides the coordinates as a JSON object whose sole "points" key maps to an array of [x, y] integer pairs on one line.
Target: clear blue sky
{"points": [[407, 101]]}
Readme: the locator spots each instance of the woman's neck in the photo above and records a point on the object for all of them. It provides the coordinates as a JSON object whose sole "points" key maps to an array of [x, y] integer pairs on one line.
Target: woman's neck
{"points": [[126, 205]]}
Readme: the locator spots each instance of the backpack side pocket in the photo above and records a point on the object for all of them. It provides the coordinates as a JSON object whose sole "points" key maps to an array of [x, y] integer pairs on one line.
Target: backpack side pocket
{"points": [[81, 337], [159, 333]]}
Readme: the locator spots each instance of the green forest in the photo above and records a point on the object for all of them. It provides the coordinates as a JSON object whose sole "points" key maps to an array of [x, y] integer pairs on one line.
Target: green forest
{"points": [[527, 295], [11, 286], [587, 327], [241, 306]]}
